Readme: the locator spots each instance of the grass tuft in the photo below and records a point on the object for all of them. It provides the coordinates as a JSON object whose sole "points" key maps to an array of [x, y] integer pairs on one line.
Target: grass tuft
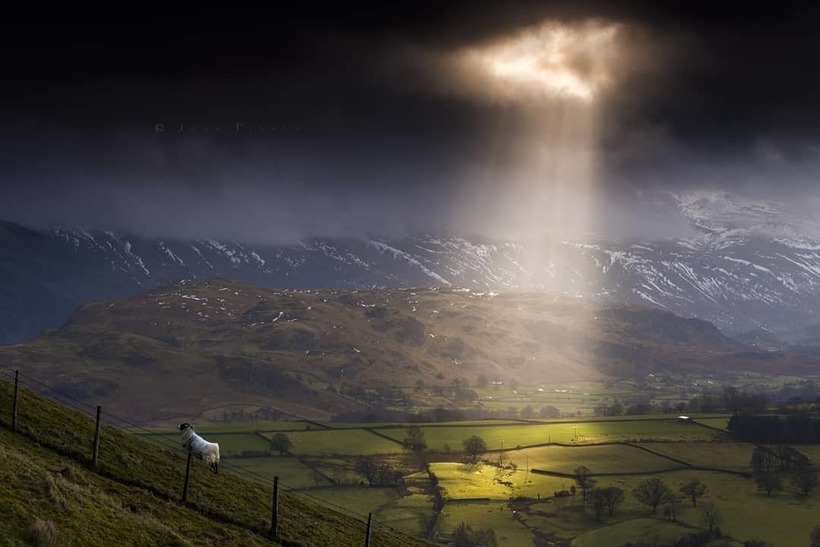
{"points": [[44, 534]]}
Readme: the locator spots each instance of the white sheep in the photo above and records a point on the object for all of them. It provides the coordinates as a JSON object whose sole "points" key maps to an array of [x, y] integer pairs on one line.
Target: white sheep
{"points": [[206, 451]]}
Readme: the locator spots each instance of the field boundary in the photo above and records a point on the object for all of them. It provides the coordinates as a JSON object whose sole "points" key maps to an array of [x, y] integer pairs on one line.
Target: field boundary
{"points": [[654, 453], [32, 389], [521, 422], [382, 435], [725, 432]]}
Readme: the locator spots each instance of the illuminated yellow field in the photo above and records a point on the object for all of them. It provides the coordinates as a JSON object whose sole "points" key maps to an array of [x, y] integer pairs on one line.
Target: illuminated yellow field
{"points": [[512, 436]]}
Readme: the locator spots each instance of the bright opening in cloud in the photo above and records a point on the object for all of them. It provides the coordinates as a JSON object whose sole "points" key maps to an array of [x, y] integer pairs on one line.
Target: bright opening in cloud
{"points": [[552, 59], [538, 178]]}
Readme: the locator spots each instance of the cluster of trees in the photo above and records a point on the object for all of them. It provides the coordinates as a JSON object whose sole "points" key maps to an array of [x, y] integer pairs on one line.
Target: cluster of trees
{"points": [[770, 463], [653, 493], [377, 470], [381, 414], [768, 428], [465, 536], [242, 415], [804, 481], [778, 458], [729, 399], [605, 499], [415, 442], [617, 408]]}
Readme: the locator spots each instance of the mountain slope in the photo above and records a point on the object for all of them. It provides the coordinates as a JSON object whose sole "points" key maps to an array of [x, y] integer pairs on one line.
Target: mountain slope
{"points": [[198, 347], [133, 498], [749, 266]]}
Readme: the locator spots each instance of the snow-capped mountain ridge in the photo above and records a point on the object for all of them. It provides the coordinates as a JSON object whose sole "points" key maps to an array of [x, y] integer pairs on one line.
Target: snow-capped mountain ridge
{"points": [[722, 218], [750, 267]]}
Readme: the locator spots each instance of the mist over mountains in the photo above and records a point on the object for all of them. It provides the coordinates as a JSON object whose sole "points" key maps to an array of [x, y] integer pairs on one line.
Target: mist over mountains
{"points": [[749, 266]]}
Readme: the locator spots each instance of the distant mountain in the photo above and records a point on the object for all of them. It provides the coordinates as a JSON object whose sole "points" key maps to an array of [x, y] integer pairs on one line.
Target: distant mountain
{"points": [[198, 349], [751, 266]]}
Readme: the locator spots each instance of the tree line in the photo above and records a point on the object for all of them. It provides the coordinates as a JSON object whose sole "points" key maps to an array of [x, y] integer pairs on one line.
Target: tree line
{"points": [[773, 429], [382, 414]]}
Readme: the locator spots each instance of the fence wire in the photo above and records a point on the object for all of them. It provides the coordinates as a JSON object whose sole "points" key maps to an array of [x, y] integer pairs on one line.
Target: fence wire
{"points": [[174, 448]]}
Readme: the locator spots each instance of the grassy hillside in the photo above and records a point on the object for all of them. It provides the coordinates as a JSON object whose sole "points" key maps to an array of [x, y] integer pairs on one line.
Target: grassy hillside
{"points": [[209, 347], [50, 496]]}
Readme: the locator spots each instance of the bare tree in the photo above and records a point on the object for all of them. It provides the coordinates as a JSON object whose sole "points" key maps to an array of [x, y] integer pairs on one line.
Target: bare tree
{"points": [[652, 492], [763, 460], [388, 475], [805, 481], [597, 500], [603, 499], [474, 446], [672, 508], [583, 477], [710, 516], [369, 467], [613, 496], [693, 489], [769, 482]]}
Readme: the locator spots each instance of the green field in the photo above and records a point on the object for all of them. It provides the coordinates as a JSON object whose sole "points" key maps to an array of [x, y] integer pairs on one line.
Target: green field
{"points": [[647, 529], [410, 514], [360, 500], [291, 471], [485, 515], [614, 458], [466, 481], [652, 445], [257, 426], [345, 442], [784, 519], [230, 444], [733, 456]]}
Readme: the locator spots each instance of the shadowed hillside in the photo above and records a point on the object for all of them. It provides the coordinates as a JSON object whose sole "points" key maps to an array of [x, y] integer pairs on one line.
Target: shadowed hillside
{"points": [[205, 346], [50, 496]]}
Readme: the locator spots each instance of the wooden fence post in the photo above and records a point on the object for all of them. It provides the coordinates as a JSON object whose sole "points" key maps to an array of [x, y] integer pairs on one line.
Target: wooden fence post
{"points": [[187, 476], [367, 536], [96, 454], [14, 406], [274, 519]]}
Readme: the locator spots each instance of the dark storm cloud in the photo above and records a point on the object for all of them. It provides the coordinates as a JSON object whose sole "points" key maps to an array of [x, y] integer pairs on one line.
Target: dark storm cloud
{"points": [[351, 141]]}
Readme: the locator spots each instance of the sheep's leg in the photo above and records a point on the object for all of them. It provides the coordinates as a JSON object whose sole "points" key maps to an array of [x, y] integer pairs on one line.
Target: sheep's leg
{"points": [[216, 468]]}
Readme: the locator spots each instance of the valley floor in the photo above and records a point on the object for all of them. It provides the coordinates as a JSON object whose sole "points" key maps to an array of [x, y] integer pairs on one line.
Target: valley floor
{"points": [[512, 490]]}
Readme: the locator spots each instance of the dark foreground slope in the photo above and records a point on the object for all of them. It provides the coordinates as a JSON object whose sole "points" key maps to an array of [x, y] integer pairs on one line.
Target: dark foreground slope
{"points": [[50, 496]]}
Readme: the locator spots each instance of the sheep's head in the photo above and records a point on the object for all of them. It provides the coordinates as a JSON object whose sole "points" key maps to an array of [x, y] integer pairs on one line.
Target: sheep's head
{"points": [[185, 426]]}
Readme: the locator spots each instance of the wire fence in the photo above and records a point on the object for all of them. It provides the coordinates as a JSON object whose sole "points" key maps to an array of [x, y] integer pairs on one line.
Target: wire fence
{"points": [[75, 440]]}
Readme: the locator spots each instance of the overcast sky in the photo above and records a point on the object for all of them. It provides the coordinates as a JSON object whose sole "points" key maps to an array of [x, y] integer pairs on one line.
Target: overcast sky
{"points": [[373, 121]]}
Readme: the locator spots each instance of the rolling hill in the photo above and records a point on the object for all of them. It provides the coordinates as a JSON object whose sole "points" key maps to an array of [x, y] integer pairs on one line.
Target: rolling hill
{"points": [[199, 348]]}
